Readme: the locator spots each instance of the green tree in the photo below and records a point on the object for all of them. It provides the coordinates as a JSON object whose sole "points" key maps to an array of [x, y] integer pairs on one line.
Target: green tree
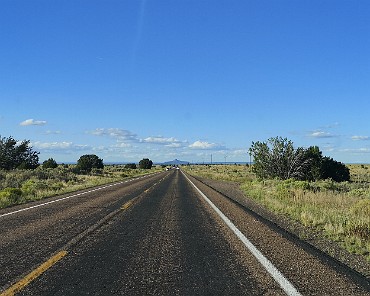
{"points": [[87, 162], [315, 158], [130, 166], [50, 163], [17, 155], [334, 170], [145, 163], [277, 158]]}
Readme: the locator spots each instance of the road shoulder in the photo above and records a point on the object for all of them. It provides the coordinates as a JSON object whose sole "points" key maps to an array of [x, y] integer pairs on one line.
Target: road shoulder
{"points": [[309, 235]]}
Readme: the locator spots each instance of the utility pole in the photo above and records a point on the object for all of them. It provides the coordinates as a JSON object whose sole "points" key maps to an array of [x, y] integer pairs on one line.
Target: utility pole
{"points": [[211, 158]]}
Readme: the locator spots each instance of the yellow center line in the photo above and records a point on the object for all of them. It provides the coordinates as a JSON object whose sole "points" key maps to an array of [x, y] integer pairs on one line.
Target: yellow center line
{"points": [[33, 274], [125, 206]]}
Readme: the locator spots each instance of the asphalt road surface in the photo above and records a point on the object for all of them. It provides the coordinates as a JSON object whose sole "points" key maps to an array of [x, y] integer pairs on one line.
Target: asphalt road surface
{"points": [[157, 235]]}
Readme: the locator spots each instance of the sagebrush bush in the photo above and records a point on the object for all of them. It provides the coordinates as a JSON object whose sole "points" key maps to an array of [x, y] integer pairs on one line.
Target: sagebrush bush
{"points": [[10, 196]]}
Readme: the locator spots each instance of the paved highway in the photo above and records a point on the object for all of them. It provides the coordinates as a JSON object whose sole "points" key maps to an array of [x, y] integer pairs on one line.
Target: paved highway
{"points": [[164, 234]]}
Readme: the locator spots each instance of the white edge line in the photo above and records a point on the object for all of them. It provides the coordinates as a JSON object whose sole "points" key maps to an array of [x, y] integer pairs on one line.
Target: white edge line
{"points": [[288, 288], [67, 197]]}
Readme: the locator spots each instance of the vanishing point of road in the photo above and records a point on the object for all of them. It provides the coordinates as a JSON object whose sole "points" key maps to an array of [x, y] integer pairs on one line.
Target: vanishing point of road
{"points": [[162, 234]]}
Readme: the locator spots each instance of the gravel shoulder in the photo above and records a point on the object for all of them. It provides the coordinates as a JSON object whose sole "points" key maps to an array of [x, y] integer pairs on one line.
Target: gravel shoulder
{"points": [[310, 236]]}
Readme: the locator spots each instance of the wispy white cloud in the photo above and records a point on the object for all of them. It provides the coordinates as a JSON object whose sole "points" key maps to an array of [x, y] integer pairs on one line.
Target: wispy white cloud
{"points": [[174, 145], [359, 150], [122, 145], [240, 152], [168, 142], [360, 138], [32, 122], [52, 145], [117, 133], [58, 146], [202, 145], [53, 132], [321, 135], [332, 125], [160, 140]]}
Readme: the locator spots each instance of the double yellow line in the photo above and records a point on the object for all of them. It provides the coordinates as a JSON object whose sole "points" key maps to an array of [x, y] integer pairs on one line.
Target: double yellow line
{"points": [[33, 274], [17, 287]]}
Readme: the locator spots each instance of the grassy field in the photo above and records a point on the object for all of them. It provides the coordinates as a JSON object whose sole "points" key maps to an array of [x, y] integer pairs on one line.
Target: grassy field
{"points": [[21, 186], [341, 211]]}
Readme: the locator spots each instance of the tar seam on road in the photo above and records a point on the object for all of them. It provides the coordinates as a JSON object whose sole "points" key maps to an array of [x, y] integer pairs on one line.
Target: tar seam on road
{"points": [[288, 288], [34, 274]]}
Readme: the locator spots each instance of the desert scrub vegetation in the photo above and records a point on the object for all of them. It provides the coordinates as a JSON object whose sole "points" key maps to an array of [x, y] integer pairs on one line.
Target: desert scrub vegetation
{"points": [[21, 186], [232, 173], [339, 210], [22, 179]]}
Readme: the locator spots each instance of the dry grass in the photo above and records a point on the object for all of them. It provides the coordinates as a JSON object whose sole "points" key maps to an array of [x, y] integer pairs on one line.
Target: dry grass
{"points": [[340, 210], [21, 186]]}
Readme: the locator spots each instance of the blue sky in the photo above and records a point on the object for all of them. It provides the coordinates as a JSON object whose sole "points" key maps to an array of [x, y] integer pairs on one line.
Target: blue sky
{"points": [[185, 79]]}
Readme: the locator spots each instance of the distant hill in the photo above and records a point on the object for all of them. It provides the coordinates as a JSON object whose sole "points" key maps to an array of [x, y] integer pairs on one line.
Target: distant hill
{"points": [[175, 162]]}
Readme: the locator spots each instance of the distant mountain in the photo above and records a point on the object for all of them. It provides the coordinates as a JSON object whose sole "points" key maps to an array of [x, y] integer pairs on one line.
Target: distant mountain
{"points": [[175, 162]]}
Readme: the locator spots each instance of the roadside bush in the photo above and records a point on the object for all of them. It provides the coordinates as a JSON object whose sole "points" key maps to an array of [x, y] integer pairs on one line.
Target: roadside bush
{"points": [[43, 174], [88, 162], [29, 187], [130, 166], [49, 164], [145, 163], [11, 195], [57, 186], [14, 179], [97, 172], [294, 184], [335, 170], [277, 158]]}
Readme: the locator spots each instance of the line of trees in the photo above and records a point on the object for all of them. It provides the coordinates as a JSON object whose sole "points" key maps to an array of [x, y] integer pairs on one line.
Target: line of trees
{"points": [[20, 155], [277, 158]]}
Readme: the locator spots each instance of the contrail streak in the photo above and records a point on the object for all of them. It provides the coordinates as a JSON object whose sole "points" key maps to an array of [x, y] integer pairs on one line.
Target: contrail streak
{"points": [[139, 30]]}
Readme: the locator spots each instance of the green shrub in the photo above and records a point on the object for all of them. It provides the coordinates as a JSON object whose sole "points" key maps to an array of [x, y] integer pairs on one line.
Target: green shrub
{"points": [[11, 195], [145, 163], [57, 186], [88, 162], [131, 166], [29, 187], [50, 163]]}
